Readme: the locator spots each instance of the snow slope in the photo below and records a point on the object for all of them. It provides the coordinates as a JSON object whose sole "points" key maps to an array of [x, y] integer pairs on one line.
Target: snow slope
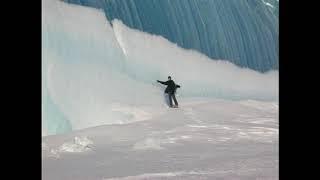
{"points": [[204, 139]]}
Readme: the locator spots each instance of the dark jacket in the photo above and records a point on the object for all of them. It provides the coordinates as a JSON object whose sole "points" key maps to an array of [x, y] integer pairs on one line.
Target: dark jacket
{"points": [[171, 86]]}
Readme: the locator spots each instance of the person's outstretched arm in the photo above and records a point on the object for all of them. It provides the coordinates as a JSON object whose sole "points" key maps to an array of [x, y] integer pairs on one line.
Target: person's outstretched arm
{"points": [[165, 83]]}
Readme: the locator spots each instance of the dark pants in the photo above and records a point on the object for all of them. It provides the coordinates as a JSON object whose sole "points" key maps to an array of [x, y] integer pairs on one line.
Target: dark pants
{"points": [[172, 96]]}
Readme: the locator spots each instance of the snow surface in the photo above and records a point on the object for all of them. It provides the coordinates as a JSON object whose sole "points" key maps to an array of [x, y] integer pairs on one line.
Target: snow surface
{"points": [[203, 139]]}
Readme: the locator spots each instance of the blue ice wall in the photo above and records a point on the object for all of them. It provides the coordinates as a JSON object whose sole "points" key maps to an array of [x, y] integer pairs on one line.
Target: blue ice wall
{"points": [[244, 32]]}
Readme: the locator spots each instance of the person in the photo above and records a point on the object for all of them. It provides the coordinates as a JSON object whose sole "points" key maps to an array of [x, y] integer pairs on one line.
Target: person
{"points": [[171, 90]]}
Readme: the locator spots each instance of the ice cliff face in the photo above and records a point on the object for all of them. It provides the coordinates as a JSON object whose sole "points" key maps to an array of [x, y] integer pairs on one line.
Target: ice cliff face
{"points": [[240, 31]]}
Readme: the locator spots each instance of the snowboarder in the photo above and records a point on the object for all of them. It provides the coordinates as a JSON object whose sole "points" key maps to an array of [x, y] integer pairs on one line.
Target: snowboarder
{"points": [[171, 90]]}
